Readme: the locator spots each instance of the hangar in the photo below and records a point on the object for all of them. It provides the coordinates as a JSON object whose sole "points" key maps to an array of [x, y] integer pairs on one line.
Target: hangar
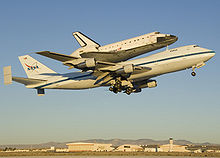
{"points": [[129, 148], [80, 146]]}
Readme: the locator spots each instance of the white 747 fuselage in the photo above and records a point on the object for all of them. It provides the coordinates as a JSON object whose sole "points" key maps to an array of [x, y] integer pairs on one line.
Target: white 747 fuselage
{"points": [[164, 62]]}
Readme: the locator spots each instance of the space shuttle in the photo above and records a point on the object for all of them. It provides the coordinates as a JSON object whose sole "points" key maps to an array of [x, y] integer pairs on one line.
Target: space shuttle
{"points": [[90, 51]]}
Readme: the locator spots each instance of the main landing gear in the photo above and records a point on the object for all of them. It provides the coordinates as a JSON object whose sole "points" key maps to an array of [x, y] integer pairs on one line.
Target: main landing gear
{"points": [[128, 90], [117, 87]]}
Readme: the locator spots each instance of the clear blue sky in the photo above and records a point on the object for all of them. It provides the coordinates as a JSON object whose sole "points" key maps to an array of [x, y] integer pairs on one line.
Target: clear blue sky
{"points": [[181, 106]]}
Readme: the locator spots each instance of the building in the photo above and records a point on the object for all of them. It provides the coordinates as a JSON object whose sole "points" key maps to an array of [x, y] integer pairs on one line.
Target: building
{"points": [[129, 148], [152, 148], [173, 148], [79, 147]]}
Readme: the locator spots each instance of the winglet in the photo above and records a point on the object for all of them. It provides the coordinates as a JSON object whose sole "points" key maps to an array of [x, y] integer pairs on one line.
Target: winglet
{"points": [[7, 75]]}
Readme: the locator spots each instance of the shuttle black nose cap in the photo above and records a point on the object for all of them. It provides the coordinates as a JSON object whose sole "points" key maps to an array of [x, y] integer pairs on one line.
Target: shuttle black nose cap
{"points": [[172, 38]]}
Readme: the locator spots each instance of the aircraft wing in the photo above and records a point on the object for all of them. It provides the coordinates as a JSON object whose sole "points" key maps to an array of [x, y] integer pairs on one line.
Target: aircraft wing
{"points": [[111, 72], [103, 66], [57, 56], [117, 67]]}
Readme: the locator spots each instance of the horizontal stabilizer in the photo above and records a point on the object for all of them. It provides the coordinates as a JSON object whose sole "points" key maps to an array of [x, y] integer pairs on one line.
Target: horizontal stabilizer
{"points": [[56, 56], [7, 75], [28, 81]]}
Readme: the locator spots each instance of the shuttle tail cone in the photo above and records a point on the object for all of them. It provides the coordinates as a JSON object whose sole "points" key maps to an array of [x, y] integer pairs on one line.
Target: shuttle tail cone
{"points": [[7, 75]]}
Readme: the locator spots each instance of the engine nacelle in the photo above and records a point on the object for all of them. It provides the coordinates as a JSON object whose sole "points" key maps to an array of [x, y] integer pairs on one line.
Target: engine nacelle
{"points": [[88, 63], [152, 84], [127, 69], [149, 84]]}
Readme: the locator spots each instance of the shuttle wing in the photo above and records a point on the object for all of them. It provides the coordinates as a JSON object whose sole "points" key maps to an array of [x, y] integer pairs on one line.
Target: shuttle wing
{"points": [[57, 56]]}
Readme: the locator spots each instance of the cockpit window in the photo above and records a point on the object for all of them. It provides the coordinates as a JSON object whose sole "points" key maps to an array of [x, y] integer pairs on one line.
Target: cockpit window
{"points": [[195, 46], [173, 50]]}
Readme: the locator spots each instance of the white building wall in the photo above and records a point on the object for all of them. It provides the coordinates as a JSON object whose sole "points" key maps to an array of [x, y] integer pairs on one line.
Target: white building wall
{"points": [[150, 150], [74, 147], [129, 148]]}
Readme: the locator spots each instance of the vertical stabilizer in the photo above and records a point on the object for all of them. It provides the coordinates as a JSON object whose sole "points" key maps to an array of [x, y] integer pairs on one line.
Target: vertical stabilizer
{"points": [[83, 40], [34, 69]]}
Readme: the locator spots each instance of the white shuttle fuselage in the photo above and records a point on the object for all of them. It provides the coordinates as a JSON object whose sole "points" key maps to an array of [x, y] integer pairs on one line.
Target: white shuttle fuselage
{"points": [[123, 50]]}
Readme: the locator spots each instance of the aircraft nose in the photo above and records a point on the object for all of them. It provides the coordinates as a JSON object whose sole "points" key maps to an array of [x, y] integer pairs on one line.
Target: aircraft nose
{"points": [[171, 37], [167, 39], [211, 54]]}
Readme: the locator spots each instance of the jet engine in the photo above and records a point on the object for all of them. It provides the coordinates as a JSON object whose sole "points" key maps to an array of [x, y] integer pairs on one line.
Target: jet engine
{"points": [[88, 63], [127, 69], [148, 83], [152, 84]]}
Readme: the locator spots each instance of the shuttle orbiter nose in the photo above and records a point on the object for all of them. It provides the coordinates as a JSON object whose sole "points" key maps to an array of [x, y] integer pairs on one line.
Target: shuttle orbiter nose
{"points": [[171, 38], [167, 39]]}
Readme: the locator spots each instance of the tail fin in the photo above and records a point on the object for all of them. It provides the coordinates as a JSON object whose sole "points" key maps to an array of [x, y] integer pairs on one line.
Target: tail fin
{"points": [[83, 40], [33, 68]]}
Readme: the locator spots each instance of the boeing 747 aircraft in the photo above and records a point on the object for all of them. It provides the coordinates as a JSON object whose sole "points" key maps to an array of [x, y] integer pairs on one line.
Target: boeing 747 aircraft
{"points": [[91, 51], [129, 76]]}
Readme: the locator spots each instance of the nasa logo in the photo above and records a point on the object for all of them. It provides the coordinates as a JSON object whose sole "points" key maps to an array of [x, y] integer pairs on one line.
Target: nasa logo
{"points": [[33, 67]]}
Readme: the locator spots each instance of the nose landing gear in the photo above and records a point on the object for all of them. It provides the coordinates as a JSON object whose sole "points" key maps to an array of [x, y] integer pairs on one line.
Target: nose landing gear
{"points": [[193, 73]]}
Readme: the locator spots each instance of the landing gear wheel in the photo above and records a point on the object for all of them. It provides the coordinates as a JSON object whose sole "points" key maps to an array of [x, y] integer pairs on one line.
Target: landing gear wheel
{"points": [[128, 91], [119, 89], [111, 89], [117, 85], [115, 90], [193, 74]]}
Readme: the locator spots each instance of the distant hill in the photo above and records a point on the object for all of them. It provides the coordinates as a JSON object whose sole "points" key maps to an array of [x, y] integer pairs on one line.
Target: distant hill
{"points": [[114, 142]]}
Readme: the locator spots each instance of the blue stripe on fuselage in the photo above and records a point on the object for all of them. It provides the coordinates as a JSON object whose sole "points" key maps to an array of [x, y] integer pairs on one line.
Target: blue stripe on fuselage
{"points": [[180, 56], [73, 78]]}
